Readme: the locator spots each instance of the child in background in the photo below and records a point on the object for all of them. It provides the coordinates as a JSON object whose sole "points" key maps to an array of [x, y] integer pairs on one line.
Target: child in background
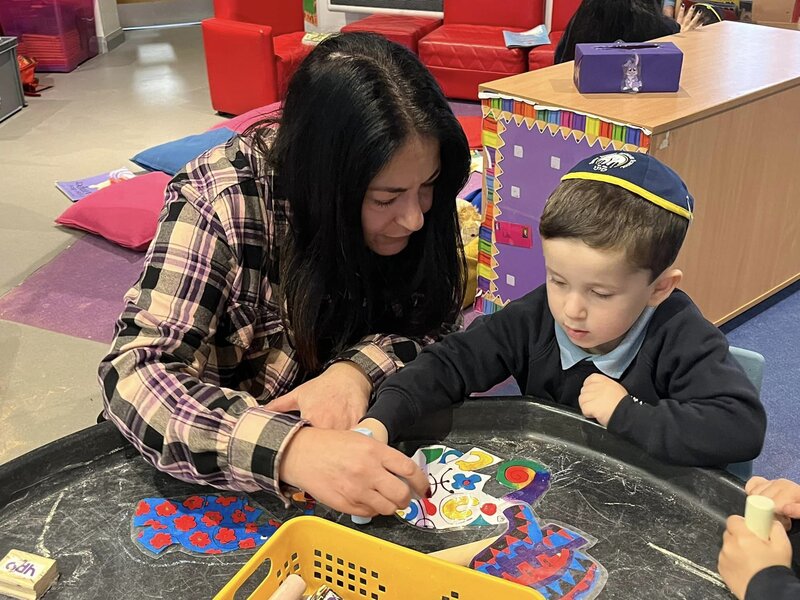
{"points": [[707, 13], [606, 21], [609, 333], [755, 569]]}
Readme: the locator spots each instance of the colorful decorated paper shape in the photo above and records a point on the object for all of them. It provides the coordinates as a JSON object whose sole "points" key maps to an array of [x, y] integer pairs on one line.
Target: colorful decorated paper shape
{"points": [[529, 479], [200, 524], [550, 559], [458, 499], [305, 503], [476, 459]]}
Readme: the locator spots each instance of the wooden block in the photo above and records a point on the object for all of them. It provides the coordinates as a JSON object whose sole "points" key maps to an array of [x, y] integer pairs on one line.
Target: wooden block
{"points": [[27, 576], [292, 588]]}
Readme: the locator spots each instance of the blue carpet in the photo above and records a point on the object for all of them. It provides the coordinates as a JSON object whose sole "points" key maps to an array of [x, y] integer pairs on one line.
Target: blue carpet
{"points": [[773, 329]]}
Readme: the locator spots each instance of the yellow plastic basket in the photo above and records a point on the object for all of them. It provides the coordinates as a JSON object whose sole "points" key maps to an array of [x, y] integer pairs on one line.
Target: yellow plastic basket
{"points": [[361, 567]]}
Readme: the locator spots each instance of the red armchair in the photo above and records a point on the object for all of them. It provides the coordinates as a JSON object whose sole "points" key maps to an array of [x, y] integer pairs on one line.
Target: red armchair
{"points": [[543, 56], [401, 29], [469, 48], [252, 48]]}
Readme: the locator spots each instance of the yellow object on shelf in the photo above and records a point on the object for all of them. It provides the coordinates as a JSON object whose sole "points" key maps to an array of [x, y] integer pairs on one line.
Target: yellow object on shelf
{"points": [[358, 566]]}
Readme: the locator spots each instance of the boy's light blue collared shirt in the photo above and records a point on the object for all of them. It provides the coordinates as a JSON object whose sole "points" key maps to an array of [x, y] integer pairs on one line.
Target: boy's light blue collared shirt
{"points": [[614, 363]]}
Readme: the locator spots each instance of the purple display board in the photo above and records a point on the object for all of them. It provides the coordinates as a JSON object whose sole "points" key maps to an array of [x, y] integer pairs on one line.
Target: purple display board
{"points": [[529, 148], [531, 167]]}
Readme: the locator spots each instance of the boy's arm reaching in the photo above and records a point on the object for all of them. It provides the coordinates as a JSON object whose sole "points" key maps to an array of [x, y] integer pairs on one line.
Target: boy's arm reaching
{"points": [[493, 348]]}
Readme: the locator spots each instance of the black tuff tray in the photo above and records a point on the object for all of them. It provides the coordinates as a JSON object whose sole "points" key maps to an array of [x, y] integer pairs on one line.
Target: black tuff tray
{"points": [[73, 499]]}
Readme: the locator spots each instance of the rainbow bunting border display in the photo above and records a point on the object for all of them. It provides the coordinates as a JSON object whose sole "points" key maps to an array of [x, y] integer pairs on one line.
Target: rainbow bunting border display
{"points": [[579, 127]]}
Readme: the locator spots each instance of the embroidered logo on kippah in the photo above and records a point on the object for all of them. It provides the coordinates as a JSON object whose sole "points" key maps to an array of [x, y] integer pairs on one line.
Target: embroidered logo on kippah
{"points": [[615, 160]]}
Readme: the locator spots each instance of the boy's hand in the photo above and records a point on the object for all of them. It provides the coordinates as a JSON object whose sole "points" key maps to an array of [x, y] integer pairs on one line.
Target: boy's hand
{"points": [[599, 397], [378, 429], [785, 494], [744, 554]]}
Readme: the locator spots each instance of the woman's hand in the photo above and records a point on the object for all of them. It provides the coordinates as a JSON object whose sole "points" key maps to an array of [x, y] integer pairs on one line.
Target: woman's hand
{"points": [[337, 399], [351, 472], [744, 554], [688, 20]]}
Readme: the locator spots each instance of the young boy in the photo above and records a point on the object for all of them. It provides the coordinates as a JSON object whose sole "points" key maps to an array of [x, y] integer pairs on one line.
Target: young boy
{"points": [[755, 569], [608, 334]]}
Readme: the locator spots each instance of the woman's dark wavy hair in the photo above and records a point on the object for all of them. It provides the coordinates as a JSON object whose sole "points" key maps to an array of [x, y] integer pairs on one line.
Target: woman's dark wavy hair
{"points": [[354, 101], [605, 21]]}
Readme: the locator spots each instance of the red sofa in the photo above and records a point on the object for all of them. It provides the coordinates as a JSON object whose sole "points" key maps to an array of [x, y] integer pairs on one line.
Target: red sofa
{"points": [[468, 49], [252, 48], [543, 56], [403, 30]]}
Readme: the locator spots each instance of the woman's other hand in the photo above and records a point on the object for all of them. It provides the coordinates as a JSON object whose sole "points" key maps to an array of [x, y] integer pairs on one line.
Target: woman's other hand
{"points": [[336, 399]]}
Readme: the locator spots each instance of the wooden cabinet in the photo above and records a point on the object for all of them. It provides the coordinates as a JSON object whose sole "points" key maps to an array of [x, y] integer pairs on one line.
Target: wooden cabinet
{"points": [[732, 132]]}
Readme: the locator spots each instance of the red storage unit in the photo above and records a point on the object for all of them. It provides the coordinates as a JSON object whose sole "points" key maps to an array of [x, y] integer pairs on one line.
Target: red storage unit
{"points": [[59, 34]]}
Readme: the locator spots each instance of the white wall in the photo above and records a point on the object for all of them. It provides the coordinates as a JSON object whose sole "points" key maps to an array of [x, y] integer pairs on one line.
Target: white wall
{"points": [[165, 12], [333, 20], [328, 20], [106, 21]]}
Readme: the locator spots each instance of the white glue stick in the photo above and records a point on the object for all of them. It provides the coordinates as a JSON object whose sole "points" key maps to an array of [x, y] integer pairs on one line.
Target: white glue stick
{"points": [[759, 512], [292, 588], [355, 518]]}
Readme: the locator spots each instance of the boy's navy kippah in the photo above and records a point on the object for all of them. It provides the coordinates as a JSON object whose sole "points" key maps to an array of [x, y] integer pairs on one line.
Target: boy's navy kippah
{"points": [[641, 174]]}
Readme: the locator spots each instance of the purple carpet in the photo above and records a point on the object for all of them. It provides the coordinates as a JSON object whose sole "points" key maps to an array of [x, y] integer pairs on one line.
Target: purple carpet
{"points": [[465, 109], [79, 292]]}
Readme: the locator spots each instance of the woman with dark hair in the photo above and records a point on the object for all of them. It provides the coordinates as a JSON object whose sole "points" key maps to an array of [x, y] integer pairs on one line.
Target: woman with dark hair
{"points": [[294, 269], [606, 21]]}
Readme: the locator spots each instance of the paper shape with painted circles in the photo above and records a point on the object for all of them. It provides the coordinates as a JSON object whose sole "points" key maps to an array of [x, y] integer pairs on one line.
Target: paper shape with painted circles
{"points": [[529, 479], [551, 559], [458, 499]]}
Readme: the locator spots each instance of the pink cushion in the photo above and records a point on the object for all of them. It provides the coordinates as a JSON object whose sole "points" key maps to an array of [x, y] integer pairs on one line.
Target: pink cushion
{"points": [[243, 121], [125, 213]]}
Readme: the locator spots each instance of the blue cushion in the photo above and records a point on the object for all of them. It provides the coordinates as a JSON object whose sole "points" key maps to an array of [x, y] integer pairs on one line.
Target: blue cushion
{"points": [[173, 156]]}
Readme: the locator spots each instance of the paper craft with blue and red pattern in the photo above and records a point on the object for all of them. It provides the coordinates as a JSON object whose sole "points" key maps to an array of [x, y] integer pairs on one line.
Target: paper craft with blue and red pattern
{"points": [[550, 559], [458, 498], [201, 524]]}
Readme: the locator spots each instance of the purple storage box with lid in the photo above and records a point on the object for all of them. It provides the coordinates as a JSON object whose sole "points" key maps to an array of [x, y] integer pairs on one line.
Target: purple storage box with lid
{"points": [[623, 67]]}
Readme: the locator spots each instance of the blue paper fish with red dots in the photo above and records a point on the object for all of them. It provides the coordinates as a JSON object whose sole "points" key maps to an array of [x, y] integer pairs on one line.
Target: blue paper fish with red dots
{"points": [[201, 524]]}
